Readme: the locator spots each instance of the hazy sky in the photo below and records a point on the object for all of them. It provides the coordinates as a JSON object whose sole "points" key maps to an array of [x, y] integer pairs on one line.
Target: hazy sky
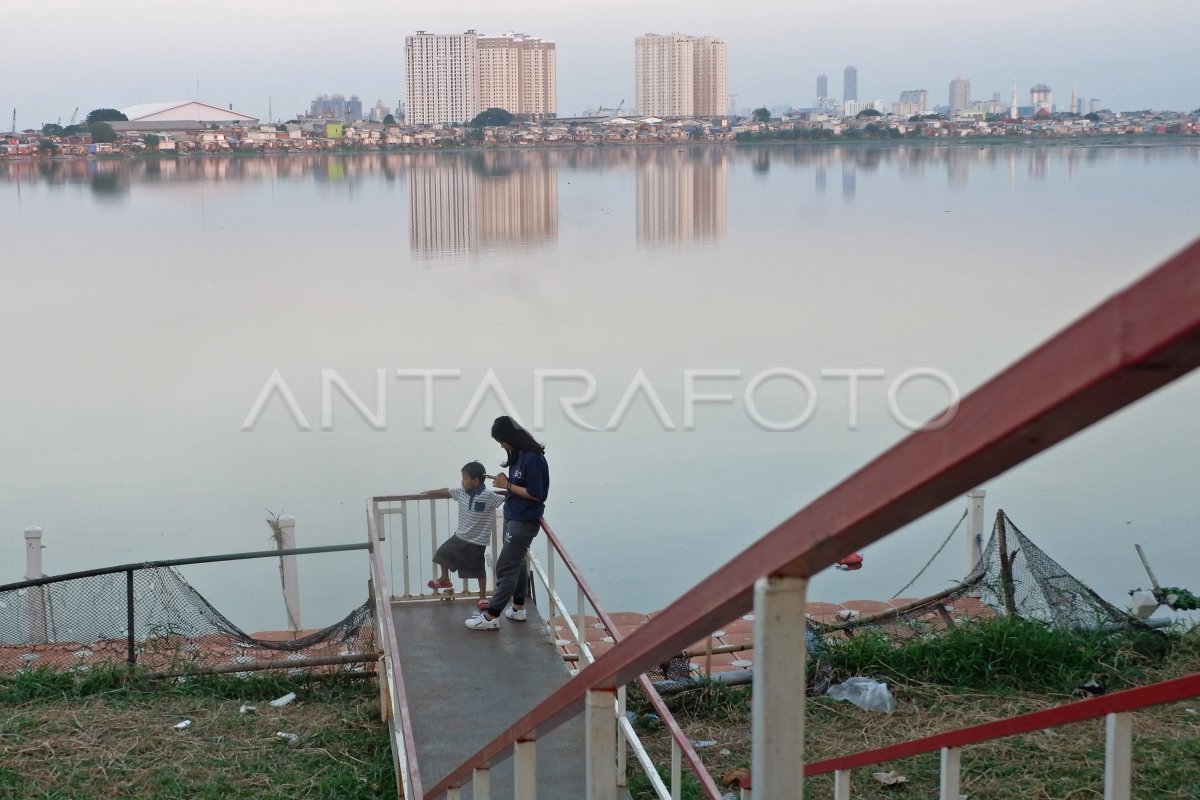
{"points": [[116, 54]]}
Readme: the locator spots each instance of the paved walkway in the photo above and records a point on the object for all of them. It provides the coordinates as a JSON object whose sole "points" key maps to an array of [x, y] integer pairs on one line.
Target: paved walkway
{"points": [[465, 687]]}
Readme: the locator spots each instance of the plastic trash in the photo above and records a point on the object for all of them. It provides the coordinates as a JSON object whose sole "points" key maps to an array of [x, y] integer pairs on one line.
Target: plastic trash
{"points": [[247, 710], [187, 723], [704, 743], [283, 701], [292, 739], [866, 693], [1143, 603], [890, 778]]}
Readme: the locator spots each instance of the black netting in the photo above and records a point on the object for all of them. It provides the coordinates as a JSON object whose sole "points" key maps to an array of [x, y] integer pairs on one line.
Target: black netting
{"points": [[82, 622], [1014, 576]]}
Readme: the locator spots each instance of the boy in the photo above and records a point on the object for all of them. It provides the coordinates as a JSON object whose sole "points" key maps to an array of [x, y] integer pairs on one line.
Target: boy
{"points": [[463, 552]]}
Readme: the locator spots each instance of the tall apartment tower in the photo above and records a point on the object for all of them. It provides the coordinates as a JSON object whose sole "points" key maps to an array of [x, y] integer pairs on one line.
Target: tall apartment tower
{"points": [[850, 85], [518, 73], [822, 87], [960, 95], [442, 78], [682, 76], [1041, 98]]}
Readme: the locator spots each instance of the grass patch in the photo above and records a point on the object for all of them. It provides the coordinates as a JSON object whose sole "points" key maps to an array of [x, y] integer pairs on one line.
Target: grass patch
{"points": [[1007, 653], [107, 734], [1056, 763]]}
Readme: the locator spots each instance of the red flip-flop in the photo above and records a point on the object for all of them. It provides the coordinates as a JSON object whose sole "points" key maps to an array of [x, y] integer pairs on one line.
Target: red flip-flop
{"points": [[435, 585]]}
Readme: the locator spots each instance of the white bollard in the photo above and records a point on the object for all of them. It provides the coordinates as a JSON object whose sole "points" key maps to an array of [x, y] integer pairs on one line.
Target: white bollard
{"points": [[33, 569], [974, 528], [777, 702], [291, 579]]}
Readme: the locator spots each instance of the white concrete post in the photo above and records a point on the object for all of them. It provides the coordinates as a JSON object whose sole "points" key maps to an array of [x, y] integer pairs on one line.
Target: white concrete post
{"points": [[841, 784], [453, 793], [525, 771], [291, 579], [481, 784], [777, 760], [33, 569], [600, 722], [622, 741], [974, 528], [676, 771], [951, 773], [1118, 766]]}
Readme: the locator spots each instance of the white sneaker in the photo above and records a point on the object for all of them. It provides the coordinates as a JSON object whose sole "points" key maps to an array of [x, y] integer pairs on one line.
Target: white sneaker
{"points": [[515, 613], [479, 622]]}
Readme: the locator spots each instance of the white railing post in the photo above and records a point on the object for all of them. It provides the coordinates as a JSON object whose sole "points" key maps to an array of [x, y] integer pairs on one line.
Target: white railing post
{"points": [[676, 771], [601, 724], [975, 528], [777, 759], [291, 578], [433, 540], [622, 740], [1118, 773], [951, 771], [453, 793], [525, 771], [581, 606], [481, 784], [404, 547], [33, 569], [841, 784]]}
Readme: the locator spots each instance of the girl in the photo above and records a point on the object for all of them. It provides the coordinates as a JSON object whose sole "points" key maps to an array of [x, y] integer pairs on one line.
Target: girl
{"points": [[528, 484]]}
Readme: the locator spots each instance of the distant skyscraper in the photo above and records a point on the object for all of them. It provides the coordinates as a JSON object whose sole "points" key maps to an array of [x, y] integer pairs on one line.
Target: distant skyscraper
{"points": [[822, 87], [850, 85], [517, 73], [335, 106], [1041, 98], [681, 76], [960, 95], [442, 78], [914, 102]]}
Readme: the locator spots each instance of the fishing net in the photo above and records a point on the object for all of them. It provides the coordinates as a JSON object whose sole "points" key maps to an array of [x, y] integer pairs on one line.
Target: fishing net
{"points": [[1014, 577], [81, 622]]}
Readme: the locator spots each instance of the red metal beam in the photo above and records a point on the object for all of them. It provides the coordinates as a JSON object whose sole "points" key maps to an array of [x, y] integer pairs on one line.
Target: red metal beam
{"points": [[1137, 341], [1128, 700]]}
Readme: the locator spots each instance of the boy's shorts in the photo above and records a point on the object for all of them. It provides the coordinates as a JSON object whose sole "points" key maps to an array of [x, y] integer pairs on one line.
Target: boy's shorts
{"points": [[465, 558]]}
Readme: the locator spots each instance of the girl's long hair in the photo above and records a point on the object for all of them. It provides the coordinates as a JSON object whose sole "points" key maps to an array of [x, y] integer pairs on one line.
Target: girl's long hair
{"points": [[506, 431]]}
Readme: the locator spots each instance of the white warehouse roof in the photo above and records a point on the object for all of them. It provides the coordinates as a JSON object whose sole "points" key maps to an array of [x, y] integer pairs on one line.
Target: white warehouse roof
{"points": [[184, 111]]}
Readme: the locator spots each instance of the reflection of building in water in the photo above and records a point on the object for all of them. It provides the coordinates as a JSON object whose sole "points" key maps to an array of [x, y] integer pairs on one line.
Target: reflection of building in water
{"points": [[849, 181], [482, 202], [682, 196]]}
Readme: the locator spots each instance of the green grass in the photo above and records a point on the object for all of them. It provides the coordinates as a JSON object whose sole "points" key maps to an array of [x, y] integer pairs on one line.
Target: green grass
{"points": [[1007, 653], [107, 734]]}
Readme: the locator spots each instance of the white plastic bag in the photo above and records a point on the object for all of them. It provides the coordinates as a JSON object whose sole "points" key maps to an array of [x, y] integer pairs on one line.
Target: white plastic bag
{"points": [[866, 693]]}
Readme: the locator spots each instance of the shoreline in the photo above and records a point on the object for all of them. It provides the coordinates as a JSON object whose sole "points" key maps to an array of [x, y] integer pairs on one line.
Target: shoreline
{"points": [[1130, 141]]}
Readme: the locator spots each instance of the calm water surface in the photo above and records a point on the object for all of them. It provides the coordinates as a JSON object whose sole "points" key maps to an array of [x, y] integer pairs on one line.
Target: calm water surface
{"points": [[146, 305]]}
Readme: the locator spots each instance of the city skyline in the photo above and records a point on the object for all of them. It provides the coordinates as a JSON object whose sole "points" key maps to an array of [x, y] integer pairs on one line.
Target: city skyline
{"points": [[1103, 53]]}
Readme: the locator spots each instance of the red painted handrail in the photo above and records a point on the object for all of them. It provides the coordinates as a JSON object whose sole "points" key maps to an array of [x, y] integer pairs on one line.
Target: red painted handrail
{"points": [[664, 714], [1129, 700], [1135, 342]]}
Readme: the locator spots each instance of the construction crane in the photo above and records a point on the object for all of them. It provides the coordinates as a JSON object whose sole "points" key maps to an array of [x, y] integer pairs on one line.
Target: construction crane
{"points": [[74, 115]]}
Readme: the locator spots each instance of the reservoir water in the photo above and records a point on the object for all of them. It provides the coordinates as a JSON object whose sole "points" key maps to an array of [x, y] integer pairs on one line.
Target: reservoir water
{"points": [[147, 305]]}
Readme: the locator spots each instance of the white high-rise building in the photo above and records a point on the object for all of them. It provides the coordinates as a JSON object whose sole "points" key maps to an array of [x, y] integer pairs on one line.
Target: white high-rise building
{"points": [[682, 76], [518, 73], [442, 78], [1042, 99], [960, 95], [914, 102]]}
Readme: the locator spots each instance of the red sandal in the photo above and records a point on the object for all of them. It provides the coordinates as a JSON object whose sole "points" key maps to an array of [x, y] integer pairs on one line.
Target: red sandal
{"points": [[438, 584]]}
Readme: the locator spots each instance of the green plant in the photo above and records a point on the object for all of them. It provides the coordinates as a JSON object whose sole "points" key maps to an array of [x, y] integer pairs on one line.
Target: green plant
{"points": [[640, 787], [1005, 653]]}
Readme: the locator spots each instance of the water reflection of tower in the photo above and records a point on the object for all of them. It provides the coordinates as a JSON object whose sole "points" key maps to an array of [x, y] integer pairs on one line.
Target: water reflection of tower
{"points": [[485, 201], [681, 195], [849, 180]]}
